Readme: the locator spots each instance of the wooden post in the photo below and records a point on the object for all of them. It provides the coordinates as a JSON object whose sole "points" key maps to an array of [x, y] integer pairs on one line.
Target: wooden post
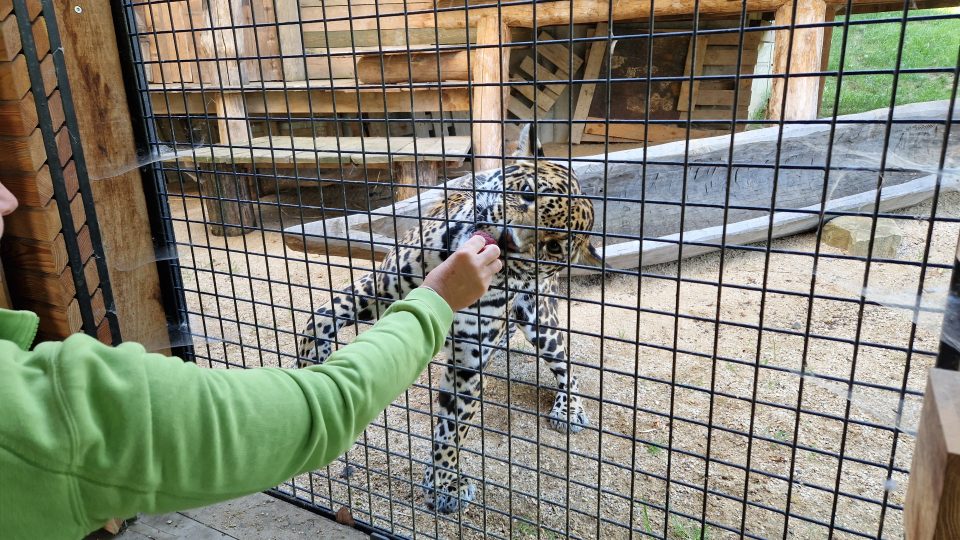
{"points": [[226, 192], [489, 68], [105, 131], [406, 174], [830, 14], [803, 94], [932, 509]]}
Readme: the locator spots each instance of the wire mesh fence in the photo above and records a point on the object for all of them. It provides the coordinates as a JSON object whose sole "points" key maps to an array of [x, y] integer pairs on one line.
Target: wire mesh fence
{"points": [[769, 189]]}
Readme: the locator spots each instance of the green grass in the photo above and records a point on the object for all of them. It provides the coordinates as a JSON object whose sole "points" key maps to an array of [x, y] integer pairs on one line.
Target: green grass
{"points": [[687, 530], [873, 46]]}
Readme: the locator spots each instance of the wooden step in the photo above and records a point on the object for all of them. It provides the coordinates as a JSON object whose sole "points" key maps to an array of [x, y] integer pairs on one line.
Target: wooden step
{"points": [[324, 152]]}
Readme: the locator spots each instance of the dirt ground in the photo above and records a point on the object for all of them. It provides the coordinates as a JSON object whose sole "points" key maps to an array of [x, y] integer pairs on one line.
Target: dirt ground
{"points": [[662, 390]]}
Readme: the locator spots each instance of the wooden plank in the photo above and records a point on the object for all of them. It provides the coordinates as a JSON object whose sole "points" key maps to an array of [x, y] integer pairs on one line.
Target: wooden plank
{"points": [[716, 97], [31, 189], [41, 39], [22, 154], [635, 132], [5, 302], [802, 100], [490, 68], [521, 111], [331, 151], [9, 38], [93, 65], [696, 53], [387, 37], [414, 67], [751, 38], [42, 256], [291, 45], [544, 75], [724, 57], [558, 55], [34, 223], [321, 101], [591, 71], [14, 78], [932, 509]]}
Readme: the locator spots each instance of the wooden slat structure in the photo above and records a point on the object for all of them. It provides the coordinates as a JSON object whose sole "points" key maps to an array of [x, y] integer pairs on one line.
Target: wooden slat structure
{"points": [[39, 276]]}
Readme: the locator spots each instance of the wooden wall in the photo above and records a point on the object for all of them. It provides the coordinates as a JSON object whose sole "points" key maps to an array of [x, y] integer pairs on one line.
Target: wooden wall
{"points": [[34, 249]]}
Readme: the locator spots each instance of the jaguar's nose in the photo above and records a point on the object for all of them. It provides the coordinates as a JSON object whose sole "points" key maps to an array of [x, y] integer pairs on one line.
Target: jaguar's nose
{"points": [[507, 242]]}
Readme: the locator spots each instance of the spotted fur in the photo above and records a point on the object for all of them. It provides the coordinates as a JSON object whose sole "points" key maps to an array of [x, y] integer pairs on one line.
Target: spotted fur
{"points": [[535, 212]]}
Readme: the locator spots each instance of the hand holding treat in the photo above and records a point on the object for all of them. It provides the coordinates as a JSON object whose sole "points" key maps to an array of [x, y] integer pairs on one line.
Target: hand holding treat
{"points": [[466, 274]]}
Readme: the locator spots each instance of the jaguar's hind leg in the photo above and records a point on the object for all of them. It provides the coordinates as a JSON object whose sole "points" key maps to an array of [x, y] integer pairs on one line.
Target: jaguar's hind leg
{"points": [[357, 303]]}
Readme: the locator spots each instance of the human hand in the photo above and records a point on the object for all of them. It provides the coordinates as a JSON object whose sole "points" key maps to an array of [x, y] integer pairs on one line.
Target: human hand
{"points": [[466, 274]]}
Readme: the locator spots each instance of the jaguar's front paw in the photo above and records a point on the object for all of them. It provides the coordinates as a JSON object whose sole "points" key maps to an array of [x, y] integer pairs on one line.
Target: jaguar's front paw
{"points": [[565, 418], [449, 493]]}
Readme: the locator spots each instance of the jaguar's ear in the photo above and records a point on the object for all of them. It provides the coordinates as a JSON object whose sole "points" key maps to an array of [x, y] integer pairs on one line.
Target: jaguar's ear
{"points": [[589, 256], [527, 141]]}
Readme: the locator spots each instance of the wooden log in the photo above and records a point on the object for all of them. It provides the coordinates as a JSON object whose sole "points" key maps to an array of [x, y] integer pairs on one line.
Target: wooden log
{"points": [[415, 67], [227, 199], [414, 174], [489, 68], [291, 44], [932, 509], [93, 67], [591, 71], [799, 186], [802, 101]]}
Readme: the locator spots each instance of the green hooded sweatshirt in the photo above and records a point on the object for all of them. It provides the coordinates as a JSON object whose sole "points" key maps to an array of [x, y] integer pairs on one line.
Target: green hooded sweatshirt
{"points": [[90, 432]]}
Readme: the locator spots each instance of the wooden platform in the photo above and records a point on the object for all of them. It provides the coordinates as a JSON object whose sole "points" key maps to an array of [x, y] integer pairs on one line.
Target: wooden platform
{"points": [[322, 152], [324, 96]]}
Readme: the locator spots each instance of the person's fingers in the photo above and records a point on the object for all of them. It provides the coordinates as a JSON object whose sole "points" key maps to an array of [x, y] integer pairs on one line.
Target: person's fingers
{"points": [[490, 254], [497, 266], [474, 244]]}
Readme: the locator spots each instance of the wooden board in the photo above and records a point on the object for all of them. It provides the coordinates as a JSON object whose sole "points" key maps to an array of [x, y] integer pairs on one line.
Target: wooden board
{"points": [[391, 37], [932, 509], [658, 133], [106, 132], [36, 189], [48, 257], [291, 43], [331, 151], [413, 67], [590, 72], [696, 53]]}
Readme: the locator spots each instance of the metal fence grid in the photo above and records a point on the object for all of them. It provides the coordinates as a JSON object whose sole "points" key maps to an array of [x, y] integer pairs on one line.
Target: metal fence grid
{"points": [[751, 387]]}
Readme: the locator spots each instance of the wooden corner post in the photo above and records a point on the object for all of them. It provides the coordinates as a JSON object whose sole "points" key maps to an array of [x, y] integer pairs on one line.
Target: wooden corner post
{"points": [[105, 132], [932, 509], [803, 94], [489, 68]]}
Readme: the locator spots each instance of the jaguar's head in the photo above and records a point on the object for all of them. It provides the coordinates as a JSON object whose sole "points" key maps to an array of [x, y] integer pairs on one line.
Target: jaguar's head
{"points": [[537, 213]]}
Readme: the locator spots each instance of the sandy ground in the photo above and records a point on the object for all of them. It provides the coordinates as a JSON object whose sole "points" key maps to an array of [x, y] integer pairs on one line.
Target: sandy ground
{"points": [[662, 390]]}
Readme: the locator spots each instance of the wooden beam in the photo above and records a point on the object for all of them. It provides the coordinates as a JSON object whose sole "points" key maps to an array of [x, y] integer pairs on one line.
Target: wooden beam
{"points": [[932, 509], [291, 45], [693, 65], [105, 130], [413, 67], [490, 68], [46, 257], [802, 90], [395, 37], [591, 71]]}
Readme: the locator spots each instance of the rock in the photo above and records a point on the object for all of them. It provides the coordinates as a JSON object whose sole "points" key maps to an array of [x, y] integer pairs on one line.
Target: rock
{"points": [[852, 234]]}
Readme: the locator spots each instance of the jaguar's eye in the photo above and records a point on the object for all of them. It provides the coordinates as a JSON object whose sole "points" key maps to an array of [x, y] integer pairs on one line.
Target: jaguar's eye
{"points": [[554, 247], [527, 195]]}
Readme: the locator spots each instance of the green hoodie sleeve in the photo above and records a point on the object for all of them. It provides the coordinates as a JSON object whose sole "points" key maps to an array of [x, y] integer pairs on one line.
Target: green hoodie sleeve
{"points": [[140, 432]]}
